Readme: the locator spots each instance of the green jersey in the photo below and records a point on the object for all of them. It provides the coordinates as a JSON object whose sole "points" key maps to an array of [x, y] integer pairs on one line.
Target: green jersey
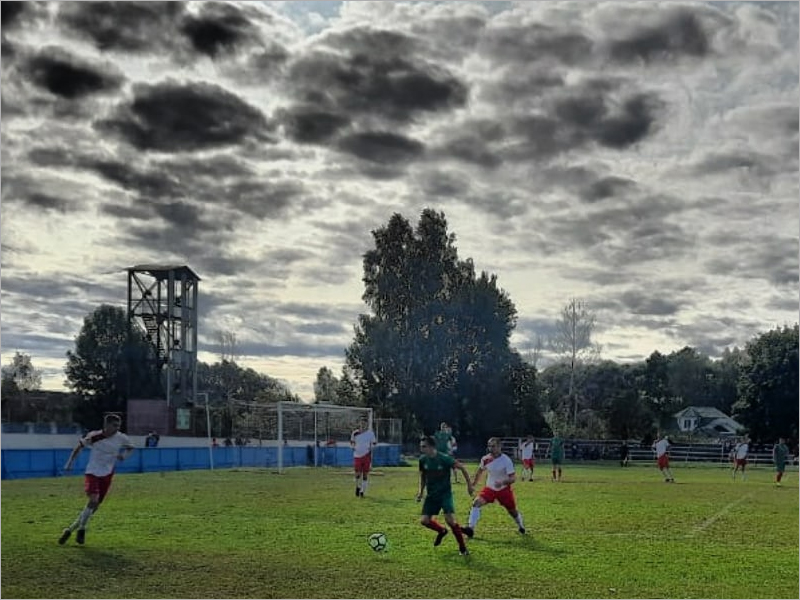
{"points": [[442, 441], [780, 454], [557, 448], [436, 470]]}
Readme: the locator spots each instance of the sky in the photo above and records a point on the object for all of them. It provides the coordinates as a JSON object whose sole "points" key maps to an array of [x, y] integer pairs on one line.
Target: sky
{"points": [[642, 157]]}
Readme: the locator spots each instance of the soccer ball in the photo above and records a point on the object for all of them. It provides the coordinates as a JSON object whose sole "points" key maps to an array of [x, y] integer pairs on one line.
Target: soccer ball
{"points": [[377, 541]]}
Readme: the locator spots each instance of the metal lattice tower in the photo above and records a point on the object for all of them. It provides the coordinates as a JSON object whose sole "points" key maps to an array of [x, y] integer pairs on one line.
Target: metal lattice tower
{"points": [[162, 303]]}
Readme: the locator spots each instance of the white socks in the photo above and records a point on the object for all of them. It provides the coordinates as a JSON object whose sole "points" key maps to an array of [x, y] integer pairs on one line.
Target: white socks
{"points": [[82, 520], [474, 515]]}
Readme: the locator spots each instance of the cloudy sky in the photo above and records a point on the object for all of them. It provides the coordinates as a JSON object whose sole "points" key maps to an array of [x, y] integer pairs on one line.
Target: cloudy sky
{"points": [[640, 156]]}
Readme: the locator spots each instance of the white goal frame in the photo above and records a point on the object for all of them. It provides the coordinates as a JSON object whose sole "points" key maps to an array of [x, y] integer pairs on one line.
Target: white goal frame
{"points": [[285, 407]]}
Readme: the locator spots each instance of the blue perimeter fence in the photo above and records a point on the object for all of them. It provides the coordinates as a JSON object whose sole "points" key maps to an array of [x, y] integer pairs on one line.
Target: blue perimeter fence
{"points": [[24, 464]]}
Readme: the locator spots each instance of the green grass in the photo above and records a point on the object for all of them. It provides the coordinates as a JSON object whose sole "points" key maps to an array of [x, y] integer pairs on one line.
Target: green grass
{"points": [[604, 532]]}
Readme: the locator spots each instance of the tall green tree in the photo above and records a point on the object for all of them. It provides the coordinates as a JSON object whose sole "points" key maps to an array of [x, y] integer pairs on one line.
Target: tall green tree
{"points": [[768, 386], [434, 346], [110, 363]]}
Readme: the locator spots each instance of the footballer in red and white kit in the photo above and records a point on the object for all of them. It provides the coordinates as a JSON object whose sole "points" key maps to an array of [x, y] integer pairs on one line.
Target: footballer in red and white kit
{"points": [[661, 446], [362, 441], [500, 475], [740, 457], [526, 453], [108, 445]]}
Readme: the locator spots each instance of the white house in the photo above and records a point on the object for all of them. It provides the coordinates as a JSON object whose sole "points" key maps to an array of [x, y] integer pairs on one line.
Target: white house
{"points": [[706, 420]]}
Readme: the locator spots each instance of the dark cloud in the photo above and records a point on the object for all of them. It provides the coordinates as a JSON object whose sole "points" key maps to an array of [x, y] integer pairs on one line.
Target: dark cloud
{"points": [[444, 184], [642, 303], [47, 202], [175, 117], [472, 143], [123, 26], [757, 164], [129, 176], [525, 43], [382, 82], [183, 216], [64, 75], [219, 28], [774, 259], [10, 13], [633, 122], [262, 349], [311, 125], [606, 187], [581, 119], [679, 33], [382, 147], [518, 86], [323, 329]]}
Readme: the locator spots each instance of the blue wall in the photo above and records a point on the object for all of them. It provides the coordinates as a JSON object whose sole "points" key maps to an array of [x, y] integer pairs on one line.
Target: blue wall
{"points": [[22, 464]]}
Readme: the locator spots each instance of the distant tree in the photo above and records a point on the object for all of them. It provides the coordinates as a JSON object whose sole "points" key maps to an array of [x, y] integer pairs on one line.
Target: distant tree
{"points": [[726, 379], [326, 386], [228, 348], [573, 341], [534, 353], [348, 392], [768, 386], [21, 374], [690, 377], [110, 363], [654, 386]]}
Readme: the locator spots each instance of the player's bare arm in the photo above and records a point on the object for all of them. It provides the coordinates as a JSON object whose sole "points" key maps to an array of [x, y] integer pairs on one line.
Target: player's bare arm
{"points": [[73, 455], [465, 473], [421, 490], [477, 476], [125, 452]]}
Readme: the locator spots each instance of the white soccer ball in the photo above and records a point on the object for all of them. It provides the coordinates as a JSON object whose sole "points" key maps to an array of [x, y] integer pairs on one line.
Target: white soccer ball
{"points": [[377, 541]]}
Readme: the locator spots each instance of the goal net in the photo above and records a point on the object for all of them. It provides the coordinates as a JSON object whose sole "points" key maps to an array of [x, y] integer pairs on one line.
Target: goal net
{"points": [[288, 424]]}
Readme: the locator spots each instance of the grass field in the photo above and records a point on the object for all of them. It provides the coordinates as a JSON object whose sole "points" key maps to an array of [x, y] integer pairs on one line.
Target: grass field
{"points": [[604, 532]]}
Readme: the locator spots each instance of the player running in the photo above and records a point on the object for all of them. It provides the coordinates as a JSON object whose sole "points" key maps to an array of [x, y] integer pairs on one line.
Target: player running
{"points": [[500, 476], [434, 475], [108, 446], [661, 448]]}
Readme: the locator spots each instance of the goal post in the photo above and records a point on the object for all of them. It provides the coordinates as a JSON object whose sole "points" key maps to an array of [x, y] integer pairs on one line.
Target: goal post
{"points": [[288, 426], [330, 423]]}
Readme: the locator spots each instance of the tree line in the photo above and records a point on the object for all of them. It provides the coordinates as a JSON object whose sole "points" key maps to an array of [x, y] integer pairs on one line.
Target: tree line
{"points": [[434, 346]]}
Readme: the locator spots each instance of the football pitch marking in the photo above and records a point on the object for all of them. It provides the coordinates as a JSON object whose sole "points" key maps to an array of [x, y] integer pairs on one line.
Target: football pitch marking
{"points": [[722, 512]]}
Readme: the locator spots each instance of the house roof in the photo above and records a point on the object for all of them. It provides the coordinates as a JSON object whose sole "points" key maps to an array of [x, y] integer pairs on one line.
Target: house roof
{"points": [[710, 418], [703, 412]]}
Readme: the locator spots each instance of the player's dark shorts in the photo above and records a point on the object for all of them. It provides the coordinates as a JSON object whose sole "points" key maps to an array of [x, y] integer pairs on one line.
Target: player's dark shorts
{"points": [[93, 484], [557, 460], [436, 503]]}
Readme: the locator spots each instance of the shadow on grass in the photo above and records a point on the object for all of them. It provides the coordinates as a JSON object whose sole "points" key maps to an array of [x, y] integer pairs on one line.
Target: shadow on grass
{"points": [[523, 542], [102, 560]]}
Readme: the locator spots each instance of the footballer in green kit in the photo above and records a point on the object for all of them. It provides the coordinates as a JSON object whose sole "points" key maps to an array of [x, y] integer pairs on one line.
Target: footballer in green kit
{"points": [[434, 475]]}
